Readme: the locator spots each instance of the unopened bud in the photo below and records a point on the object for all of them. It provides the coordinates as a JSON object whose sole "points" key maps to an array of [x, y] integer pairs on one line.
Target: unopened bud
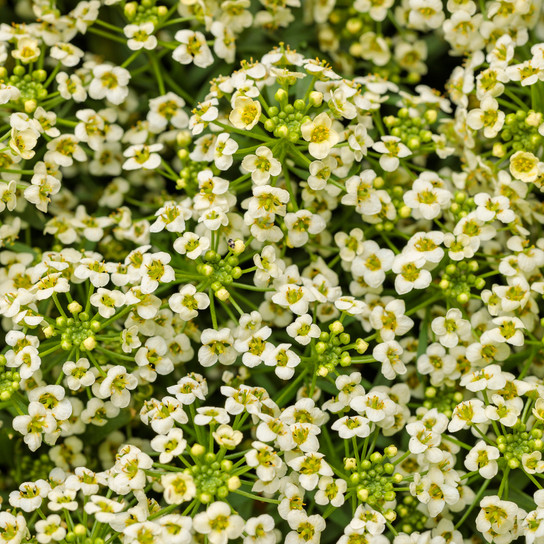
{"points": [[197, 450], [207, 270], [405, 212], [183, 138], [376, 457], [513, 463], [316, 98], [391, 451], [462, 298], [281, 96], [75, 307], [205, 498], [390, 515], [239, 247], [350, 463], [222, 294], [80, 530], [430, 116], [362, 494], [89, 343], [323, 371], [130, 9], [233, 483], [336, 327], [361, 346], [283, 131], [30, 105], [499, 150], [320, 347]]}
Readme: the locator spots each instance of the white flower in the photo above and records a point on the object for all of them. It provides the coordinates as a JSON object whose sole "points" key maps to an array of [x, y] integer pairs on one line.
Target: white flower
{"points": [[488, 116], [8, 196], [496, 516], [490, 377], [262, 165], [8, 93], [192, 48], [107, 301], [350, 426], [151, 359], [78, 374], [191, 244], [178, 487], [27, 50], [188, 301], [245, 113], [117, 385], [410, 273], [103, 508], [390, 320], [216, 346], [218, 523], [110, 82], [223, 151], [310, 467], [142, 156], [156, 270], [505, 411], [71, 87], [305, 529], [260, 530], [49, 529], [30, 495], [164, 110], [389, 354], [425, 199], [331, 491], [295, 297], [467, 413], [140, 36], [39, 421], [283, 360], [302, 329], [320, 135], [301, 225], [509, 330], [67, 53], [482, 458], [43, 186], [435, 490], [264, 459], [23, 142], [450, 328], [375, 405], [373, 263], [224, 44], [392, 149], [63, 150]]}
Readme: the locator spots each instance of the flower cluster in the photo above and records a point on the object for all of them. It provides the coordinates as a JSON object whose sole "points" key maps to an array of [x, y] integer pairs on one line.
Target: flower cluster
{"points": [[264, 294]]}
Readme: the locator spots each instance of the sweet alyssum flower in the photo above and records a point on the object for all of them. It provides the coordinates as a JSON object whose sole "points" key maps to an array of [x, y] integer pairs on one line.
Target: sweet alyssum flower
{"points": [[294, 303]]}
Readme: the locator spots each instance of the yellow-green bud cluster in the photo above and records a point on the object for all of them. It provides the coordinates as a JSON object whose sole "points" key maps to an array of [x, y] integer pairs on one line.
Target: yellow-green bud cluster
{"points": [[413, 131], [374, 478], [214, 479]]}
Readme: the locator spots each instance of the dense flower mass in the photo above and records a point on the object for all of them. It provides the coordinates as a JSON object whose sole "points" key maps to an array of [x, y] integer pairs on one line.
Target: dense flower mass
{"points": [[271, 271]]}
